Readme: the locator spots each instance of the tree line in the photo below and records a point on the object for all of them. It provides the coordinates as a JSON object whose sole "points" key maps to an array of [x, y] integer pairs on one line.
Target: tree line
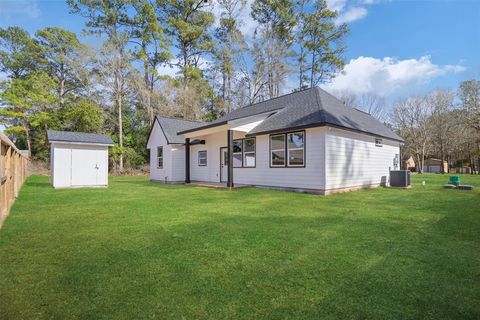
{"points": [[444, 124], [54, 81]]}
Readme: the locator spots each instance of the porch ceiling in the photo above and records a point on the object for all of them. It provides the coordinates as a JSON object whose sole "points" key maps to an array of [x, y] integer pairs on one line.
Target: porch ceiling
{"points": [[242, 125]]}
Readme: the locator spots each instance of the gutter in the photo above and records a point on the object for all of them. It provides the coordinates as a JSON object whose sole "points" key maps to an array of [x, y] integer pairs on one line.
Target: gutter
{"points": [[321, 124]]}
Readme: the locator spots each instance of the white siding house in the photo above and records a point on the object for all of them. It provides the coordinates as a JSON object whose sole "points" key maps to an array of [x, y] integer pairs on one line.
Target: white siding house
{"points": [[78, 159], [305, 141], [167, 151]]}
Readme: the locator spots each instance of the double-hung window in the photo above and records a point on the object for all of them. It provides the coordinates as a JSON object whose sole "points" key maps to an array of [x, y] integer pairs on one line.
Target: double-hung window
{"points": [[237, 153], [277, 150], [160, 157], [296, 149], [287, 149], [249, 152], [202, 158]]}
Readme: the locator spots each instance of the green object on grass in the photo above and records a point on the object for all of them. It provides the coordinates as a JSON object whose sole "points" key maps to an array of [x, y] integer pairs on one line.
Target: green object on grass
{"points": [[455, 180]]}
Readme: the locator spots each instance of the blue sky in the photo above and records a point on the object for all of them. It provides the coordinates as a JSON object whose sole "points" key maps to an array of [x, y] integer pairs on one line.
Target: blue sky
{"points": [[394, 48]]}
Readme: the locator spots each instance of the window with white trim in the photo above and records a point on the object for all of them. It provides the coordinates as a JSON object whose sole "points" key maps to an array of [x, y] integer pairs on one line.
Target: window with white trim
{"points": [[378, 142], [160, 157], [277, 150], [237, 153], [202, 157], [296, 149], [249, 152]]}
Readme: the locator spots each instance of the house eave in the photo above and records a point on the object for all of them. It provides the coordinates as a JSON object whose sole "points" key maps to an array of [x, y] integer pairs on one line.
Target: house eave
{"points": [[321, 124]]}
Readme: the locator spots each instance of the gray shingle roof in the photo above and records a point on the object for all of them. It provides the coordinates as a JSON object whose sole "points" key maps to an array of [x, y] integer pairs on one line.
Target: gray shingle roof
{"points": [[307, 108], [79, 137], [317, 107], [171, 126]]}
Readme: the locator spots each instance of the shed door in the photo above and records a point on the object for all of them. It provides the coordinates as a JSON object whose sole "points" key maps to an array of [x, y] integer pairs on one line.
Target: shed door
{"points": [[102, 165], [84, 166]]}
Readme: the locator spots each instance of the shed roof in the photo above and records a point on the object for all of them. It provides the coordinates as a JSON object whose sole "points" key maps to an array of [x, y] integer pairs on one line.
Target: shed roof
{"points": [[171, 126], [78, 137]]}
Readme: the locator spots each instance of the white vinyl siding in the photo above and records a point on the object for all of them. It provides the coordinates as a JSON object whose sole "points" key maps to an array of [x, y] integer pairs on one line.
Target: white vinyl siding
{"points": [[173, 169], [177, 156], [310, 177], [333, 159], [353, 159]]}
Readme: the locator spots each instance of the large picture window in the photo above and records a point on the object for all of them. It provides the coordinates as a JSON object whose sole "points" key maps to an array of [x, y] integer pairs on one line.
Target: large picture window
{"points": [[249, 152], [277, 150], [202, 158], [160, 157], [296, 149]]}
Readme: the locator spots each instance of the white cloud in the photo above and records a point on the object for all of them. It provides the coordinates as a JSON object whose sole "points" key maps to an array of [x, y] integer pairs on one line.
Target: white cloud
{"points": [[336, 5], [29, 8], [388, 75], [352, 14]]}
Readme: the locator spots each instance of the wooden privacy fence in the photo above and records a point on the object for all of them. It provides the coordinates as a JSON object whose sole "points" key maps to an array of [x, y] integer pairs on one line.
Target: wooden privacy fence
{"points": [[13, 166]]}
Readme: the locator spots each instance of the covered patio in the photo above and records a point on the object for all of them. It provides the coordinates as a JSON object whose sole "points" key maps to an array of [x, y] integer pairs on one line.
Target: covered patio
{"points": [[231, 129]]}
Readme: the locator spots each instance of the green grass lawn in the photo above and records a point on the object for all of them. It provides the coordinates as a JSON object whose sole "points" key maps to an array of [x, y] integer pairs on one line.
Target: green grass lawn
{"points": [[140, 250]]}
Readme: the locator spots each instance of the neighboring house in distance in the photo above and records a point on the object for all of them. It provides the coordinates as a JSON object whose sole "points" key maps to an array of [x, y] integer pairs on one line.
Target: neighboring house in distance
{"points": [[409, 163], [304, 141], [432, 165]]}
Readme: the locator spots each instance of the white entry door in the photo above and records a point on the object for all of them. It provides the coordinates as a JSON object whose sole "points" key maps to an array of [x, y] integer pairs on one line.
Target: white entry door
{"points": [[84, 167], [223, 164]]}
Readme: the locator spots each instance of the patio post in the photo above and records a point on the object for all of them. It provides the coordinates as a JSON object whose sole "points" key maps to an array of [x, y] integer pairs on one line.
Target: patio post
{"points": [[230, 158], [187, 160]]}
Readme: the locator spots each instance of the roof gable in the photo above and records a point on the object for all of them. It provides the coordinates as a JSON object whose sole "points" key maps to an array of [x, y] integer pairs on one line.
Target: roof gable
{"points": [[171, 126]]}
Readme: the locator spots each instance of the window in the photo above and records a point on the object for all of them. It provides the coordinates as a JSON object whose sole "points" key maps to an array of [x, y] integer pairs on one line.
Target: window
{"points": [[378, 142], [237, 153], [287, 149], [160, 157], [277, 150], [249, 152], [296, 149], [202, 158]]}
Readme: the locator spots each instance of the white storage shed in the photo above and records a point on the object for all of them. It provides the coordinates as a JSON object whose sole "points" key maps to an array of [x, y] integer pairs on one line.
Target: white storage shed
{"points": [[78, 159]]}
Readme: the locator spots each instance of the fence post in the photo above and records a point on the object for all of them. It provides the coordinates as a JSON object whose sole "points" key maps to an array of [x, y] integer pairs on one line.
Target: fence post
{"points": [[12, 174]]}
